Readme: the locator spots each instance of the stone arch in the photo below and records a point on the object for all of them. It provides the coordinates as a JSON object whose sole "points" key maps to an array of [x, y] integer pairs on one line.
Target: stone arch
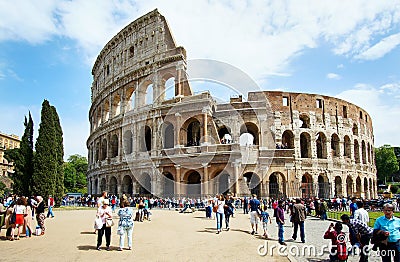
{"points": [[253, 182], [113, 186], [304, 121], [149, 97], [169, 87], [127, 185], [116, 105], [191, 132], [366, 188], [349, 186], [288, 139], [320, 143], [193, 183], [103, 185], [130, 98], [144, 185], [104, 149], [358, 187], [305, 145], [335, 145], [338, 186], [168, 184], [96, 185], [114, 145], [223, 182], [224, 135], [168, 135], [97, 152], [369, 152], [128, 142], [98, 116], [371, 188], [324, 186], [356, 151], [355, 129], [363, 152], [252, 129], [307, 186], [147, 143], [347, 146], [276, 187]]}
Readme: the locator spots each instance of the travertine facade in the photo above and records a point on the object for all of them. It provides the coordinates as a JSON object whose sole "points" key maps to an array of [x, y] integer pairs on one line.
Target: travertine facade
{"points": [[151, 135], [7, 142]]}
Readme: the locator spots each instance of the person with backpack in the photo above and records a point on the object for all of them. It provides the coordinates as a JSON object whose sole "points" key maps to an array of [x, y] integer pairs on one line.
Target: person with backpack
{"points": [[338, 238]]}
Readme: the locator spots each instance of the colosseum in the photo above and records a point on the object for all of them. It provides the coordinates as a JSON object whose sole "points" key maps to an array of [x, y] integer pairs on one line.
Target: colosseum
{"points": [[151, 134]]}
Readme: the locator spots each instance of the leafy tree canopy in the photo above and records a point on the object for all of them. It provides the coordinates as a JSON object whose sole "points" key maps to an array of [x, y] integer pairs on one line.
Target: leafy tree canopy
{"points": [[386, 162]]}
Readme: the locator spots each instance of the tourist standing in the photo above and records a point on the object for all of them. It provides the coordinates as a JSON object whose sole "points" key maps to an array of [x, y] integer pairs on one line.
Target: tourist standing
{"points": [[360, 213], [125, 224], [101, 199], [332, 234], [323, 209], [280, 220], [20, 211], [391, 225], [104, 212], [50, 204], [298, 217], [265, 218], [228, 210], [362, 233], [353, 207], [40, 216], [245, 205], [254, 205], [220, 203], [28, 219]]}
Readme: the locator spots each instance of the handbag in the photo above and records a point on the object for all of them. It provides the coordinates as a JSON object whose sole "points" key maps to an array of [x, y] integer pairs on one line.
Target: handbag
{"points": [[98, 223], [109, 222], [120, 231]]}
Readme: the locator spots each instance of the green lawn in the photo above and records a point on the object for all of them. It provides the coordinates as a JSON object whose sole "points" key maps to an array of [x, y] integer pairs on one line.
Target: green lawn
{"points": [[372, 215]]}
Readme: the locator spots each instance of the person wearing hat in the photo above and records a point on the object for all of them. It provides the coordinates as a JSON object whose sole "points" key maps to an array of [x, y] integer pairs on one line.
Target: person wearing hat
{"points": [[104, 212]]}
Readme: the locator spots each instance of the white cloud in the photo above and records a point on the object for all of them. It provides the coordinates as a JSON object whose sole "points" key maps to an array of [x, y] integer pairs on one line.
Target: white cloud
{"points": [[380, 49], [383, 108], [333, 76], [340, 66]]}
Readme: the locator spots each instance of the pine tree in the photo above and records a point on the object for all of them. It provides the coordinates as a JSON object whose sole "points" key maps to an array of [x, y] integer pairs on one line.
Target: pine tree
{"points": [[59, 157], [45, 162]]}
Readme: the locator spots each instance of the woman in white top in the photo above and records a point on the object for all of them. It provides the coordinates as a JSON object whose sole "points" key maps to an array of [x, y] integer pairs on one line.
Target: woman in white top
{"points": [[20, 211], [104, 212], [219, 215]]}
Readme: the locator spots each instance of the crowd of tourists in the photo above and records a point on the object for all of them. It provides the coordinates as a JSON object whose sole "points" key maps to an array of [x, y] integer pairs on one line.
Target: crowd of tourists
{"points": [[20, 211]]}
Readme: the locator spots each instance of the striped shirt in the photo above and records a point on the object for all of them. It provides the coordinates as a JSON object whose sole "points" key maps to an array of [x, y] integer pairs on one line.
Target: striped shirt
{"points": [[360, 227]]}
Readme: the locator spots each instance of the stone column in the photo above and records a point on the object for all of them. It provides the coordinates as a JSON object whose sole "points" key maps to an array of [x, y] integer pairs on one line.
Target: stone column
{"points": [[177, 183], [236, 176], [205, 125], [177, 129], [205, 182]]}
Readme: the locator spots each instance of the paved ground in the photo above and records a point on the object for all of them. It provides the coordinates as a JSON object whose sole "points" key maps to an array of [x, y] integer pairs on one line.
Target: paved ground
{"points": [[170, 236]]}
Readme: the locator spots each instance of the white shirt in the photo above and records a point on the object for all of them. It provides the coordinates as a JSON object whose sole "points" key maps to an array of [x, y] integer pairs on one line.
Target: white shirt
{"points": [[361, 214], [20, 209], [220, 204]]}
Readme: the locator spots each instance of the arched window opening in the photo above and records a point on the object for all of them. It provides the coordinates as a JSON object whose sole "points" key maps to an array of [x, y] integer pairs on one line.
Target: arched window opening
{"points": [[106, 111], [252, 129], [364, 153], [349, 184], [147, 135], [168, 185], [114, 146], [358, 187], [149, 94], [304, 121], [168, 138], [103, 185], [223, 183], [98, 117], [253, 183], [356, 151], [144, 185], [321, 145], [193, 133], [116, 105], [113, 187], [193, 188], [127, 185], [97, 152], [305, 145], [335, 145], [338, 186], [288, 140], [224, 135], [170, 88], [323, 187], [104, 149], [128, 142], [307, 189], [355, 130]]}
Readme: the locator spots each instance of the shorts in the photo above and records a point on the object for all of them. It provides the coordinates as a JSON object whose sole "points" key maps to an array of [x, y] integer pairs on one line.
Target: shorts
{"points": [[254, 218], [265, 225], [19, 219]]}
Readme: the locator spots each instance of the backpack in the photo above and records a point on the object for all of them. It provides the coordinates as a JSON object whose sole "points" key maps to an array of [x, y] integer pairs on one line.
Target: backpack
{"points": [[341, 247]]}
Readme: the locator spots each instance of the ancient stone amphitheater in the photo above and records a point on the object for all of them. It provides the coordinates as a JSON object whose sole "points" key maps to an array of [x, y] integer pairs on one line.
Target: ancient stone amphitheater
{"points": [[150, 134]]}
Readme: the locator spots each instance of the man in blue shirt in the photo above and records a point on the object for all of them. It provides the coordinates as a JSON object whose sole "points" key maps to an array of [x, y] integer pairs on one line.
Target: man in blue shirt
{"points": [[254, 206], [391, 225]]}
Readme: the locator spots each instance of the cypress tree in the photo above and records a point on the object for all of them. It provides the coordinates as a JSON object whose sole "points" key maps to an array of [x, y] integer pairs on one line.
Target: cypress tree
{"points": [[44, 161], [59, 157], [26, 147]]}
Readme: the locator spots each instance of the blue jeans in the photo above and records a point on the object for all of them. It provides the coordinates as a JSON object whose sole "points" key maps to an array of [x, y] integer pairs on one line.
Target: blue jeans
{"points": [[280, 232], [127, 232], [50, 212], [219, 217]]}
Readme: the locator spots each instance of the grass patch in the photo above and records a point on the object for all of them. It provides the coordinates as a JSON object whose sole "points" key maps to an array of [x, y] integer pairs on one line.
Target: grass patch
{"points": [[372, 215]]}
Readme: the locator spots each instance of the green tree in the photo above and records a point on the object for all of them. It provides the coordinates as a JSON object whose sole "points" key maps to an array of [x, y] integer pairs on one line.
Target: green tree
{"points": [[394, 189], [45, 162], [75, 174], [386, 162], [59, 158], [23, 161]]}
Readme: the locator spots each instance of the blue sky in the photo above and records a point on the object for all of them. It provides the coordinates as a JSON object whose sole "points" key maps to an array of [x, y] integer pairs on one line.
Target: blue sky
{"points": [[345, 49]]}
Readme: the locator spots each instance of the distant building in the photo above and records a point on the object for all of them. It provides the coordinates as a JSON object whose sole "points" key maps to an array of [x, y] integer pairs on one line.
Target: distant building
{"points": [[7, 142]]}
